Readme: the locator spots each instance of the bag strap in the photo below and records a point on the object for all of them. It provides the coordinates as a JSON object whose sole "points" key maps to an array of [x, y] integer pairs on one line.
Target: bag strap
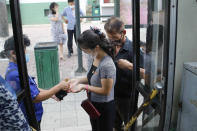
{"points": [[9, 71]]}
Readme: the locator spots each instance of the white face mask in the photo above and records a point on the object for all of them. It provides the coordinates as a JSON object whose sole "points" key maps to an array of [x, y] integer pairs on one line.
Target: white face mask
{"points": [[72, 6], [93, 54]]}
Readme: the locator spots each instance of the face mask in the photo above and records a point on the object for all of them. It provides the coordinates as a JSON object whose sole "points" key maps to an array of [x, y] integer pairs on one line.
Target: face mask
{"points": [[27, 58], [72, 6], [118, 42], [93, 54]]}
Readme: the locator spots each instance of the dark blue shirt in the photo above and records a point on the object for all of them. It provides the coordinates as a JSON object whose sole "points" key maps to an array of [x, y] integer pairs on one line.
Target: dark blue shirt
{"points": [[123, 84], [13, 78]]}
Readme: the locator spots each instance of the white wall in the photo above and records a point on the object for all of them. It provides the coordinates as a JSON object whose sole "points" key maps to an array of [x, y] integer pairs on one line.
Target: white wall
{"points": [[186, 50], [83, 4]]}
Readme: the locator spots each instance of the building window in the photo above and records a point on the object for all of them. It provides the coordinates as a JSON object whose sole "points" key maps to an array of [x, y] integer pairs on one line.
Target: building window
{"points": [[46, 12]]}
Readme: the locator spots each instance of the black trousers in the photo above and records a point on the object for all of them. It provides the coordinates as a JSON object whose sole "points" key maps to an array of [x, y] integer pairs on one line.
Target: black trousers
{"points": [[106, 121], [39, 125], [70, 39]]}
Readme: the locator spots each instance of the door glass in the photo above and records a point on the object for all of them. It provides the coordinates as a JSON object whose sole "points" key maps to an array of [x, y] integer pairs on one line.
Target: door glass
{"points": [[152, 47]]}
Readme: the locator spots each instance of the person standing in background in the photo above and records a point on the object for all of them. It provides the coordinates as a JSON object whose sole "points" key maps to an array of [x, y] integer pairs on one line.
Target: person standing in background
{"points": [[57, 27], [68, 16]]}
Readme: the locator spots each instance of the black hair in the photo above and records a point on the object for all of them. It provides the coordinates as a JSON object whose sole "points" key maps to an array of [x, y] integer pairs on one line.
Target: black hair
{"points": [[114, 25], [3, 54], [52, 6], [89, 39], [10, 45], [70, 1]]}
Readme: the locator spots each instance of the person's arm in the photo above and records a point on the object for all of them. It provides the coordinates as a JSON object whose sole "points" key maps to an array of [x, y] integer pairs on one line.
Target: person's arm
{"points": [[65, 20], [63, 27], [104, 90], [107, 72], [56, 18], [41, 90], [46, 94], [74, 82], [64, 14], [125, 64]]}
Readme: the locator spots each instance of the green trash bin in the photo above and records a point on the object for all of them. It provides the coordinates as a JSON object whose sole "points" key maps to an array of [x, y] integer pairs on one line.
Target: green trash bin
{"points": [[47, 64]]}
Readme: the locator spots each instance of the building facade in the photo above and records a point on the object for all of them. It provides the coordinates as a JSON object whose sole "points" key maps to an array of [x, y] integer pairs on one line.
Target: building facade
{"points": [[36, 11]]}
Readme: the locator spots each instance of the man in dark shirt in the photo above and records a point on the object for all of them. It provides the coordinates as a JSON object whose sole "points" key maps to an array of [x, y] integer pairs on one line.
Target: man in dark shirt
{"points": [[116, 32]]}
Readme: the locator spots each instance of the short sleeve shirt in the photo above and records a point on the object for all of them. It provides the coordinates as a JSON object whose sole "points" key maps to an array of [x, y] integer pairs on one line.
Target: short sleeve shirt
{"points": [[105, 70], [123, 86], [13, 77], [70, 15]]}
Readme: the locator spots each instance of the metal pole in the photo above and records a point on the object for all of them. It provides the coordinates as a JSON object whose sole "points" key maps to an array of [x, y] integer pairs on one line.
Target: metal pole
{"points": [[78, 32], [136, 55], [117, 8], [21, 62], [171, 20]]}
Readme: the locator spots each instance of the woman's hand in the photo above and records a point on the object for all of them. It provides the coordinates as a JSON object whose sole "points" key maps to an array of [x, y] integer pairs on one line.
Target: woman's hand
{"points": [[63, 85], [77, 88], [73, 82]]}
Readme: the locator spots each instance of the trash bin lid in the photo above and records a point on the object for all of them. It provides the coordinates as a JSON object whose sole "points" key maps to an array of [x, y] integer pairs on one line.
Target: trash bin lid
{"points": [[45, 45], [191, 66]]}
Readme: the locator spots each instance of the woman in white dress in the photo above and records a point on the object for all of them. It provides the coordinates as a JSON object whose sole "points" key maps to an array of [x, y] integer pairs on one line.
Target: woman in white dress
{"points": [[57, 27]]}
